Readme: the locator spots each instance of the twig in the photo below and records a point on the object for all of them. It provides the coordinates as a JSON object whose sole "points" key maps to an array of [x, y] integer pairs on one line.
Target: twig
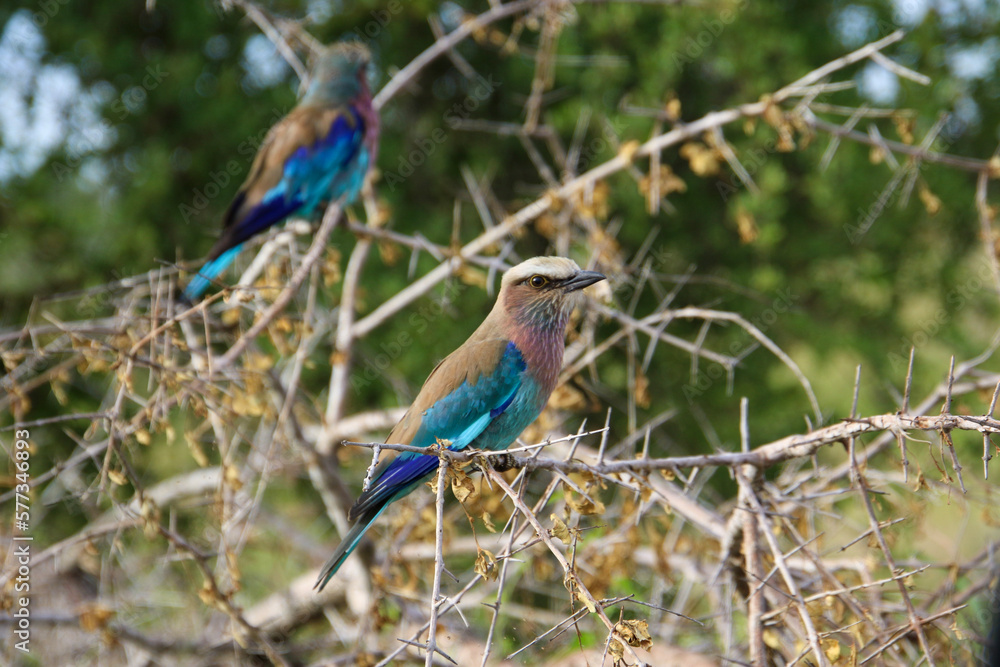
{"points": [[288, 293], [432, 647], [764, 456]]}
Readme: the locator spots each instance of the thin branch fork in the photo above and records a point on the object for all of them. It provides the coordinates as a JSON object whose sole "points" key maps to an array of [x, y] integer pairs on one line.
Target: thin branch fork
{"points": [[571, 577], [620, 162]]}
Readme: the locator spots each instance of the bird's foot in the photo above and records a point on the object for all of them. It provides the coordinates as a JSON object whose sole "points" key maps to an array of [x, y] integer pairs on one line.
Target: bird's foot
{"points": [[501, 462]]}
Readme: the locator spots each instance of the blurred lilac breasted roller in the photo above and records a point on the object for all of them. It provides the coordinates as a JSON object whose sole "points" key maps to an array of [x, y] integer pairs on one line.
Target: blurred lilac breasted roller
{"points": [[318, 153], [484, 393]]}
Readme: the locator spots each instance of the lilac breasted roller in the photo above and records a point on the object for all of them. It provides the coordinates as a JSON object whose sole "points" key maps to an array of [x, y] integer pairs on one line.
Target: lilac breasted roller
{"points": [[484, 393], [318, 153]]}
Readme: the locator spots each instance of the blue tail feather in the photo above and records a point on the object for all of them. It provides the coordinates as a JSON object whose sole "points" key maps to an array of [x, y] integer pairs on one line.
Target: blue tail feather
{"points": [[273, 209], [346, 547], [206, 274]]}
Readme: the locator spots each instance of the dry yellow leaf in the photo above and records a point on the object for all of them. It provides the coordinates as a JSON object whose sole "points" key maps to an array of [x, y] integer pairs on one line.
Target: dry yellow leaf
{"points": [[672, 109], [231, 317], [258, 362], [773, 115], [470, 275], [566, 397], [247, 403], [703, 160], [831, 647], [617, 652], [95, 616], [207, 595], [196, 451], [462, 487], [383, 214], [560, 530], [330, 268], [497, 38], [645, 493], [547, 225], [553, 201], [994, 165], [231, 477], [486, 565], [389, 252], [585, 599], [904, 127], [785, 142], [635, 633], [628, 150], [594, 202], [746, 226], [667, 181], [233, 568], [584, 506], [11, 360], [117, 477], [150, 518], [59, 391], [642, 397], [931, 202]]}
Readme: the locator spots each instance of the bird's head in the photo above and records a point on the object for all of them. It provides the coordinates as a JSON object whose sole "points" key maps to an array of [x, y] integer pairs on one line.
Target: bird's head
{"points": [[542, 291], [339, 74]]}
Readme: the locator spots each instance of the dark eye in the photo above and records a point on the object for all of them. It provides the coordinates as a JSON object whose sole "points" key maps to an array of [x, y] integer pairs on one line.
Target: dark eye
{"points": [[538, 282]]}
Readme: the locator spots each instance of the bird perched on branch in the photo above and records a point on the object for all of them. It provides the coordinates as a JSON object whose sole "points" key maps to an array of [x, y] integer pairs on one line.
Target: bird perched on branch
{"points": [[318, 153], [484, 393]]}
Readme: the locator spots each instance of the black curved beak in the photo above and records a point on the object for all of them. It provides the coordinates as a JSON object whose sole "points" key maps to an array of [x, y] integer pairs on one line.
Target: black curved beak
{"points": [[583, 279]]}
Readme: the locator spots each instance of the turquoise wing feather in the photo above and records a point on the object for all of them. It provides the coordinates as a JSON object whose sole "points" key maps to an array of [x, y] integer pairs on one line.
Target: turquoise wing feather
{"points": [[459, 417]]}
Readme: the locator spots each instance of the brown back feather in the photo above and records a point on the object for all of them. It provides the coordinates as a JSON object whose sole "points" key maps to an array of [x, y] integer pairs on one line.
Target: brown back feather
{"points": [[303, 126], [479, 355]]}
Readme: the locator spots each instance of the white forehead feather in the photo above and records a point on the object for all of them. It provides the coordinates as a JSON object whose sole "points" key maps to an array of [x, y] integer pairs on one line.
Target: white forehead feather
{"points": [[554, 268]]}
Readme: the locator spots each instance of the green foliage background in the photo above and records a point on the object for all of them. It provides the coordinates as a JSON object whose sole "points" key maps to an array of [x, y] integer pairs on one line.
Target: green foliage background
{"points": [[855, 303]]}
